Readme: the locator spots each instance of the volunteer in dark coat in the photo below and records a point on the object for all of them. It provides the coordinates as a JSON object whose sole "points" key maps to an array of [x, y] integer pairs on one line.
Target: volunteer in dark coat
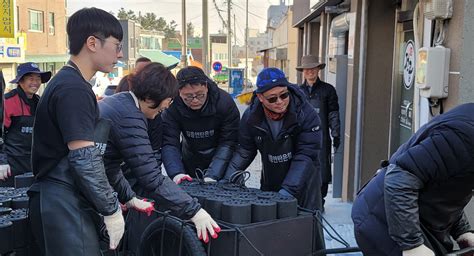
{"points": [[285, 128], [71, 188], [19, 111], [414, 206], [200, 128], [323, 97], [152, 91]]}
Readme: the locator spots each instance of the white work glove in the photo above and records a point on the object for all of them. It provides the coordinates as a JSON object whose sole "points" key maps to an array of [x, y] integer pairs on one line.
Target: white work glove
{"points": [[141, 205], [421, 250], [115, 226], [5, 171], [180, 177], [204, 223], [209, 180], [466, 240]]}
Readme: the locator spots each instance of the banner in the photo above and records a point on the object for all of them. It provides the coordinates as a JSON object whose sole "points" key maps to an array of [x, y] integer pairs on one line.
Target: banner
{"points": [[7, 21]]}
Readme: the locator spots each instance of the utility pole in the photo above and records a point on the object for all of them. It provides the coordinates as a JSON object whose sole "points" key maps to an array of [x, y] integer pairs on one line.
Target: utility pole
{"points": [[229, 35], [246, 40], [235, 32], [184, 40], [205, 37]]}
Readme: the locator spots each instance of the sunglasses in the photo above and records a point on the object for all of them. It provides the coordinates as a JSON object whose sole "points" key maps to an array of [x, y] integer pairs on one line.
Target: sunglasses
{"points": [[119, 44], [275, 98]]}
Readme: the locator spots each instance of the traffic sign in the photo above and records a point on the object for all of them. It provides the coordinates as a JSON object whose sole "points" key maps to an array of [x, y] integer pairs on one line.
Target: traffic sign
{"points": [[217, 66]]}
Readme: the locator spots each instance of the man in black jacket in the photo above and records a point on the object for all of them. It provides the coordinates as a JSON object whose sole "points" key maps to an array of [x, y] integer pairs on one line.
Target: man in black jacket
{"points": [[200, 128], [284, 127], [152, 91], [323, 97], [71, 188], [416, 204]]}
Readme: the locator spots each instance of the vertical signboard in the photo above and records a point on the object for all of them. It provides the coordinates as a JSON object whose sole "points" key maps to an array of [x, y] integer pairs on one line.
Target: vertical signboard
{"points": [[7, 22]]}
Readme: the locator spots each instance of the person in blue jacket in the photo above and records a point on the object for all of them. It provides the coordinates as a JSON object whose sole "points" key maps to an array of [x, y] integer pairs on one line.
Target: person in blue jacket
{"points": [[285, 128], [415, 203], [200, 128], [152, 91]]}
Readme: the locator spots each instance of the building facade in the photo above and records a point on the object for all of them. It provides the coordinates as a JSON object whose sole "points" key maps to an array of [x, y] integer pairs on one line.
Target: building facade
{"points": [[40, 37], [372, 51]]}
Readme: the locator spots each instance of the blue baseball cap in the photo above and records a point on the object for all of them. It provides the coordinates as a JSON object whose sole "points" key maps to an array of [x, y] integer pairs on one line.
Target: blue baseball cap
{"points": [[269, 78], [30, 67]]}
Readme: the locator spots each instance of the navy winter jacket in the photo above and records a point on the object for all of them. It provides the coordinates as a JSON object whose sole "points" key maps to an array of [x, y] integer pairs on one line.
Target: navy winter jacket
{"points": [[424, 191], [296, 149], [202, 138], [129, 142]]}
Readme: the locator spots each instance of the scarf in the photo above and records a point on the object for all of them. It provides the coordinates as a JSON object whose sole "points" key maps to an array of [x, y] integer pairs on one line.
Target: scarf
{"points": [[272, 115]]}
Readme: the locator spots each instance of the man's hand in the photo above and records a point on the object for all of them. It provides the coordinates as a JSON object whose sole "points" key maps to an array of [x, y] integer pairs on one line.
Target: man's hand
{"points": [[141, 205], [466, 240], [180, 177], [115, 227], [5, 171], [204, 223], [421, 250]]}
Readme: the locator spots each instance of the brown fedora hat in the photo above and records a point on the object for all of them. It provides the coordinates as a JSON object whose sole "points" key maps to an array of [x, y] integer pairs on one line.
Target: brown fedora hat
{"points": [[310, 61]]}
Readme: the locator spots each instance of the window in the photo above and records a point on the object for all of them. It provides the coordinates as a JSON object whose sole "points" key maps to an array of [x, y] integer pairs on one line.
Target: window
{"points": [[36, 20], [51, 23]]}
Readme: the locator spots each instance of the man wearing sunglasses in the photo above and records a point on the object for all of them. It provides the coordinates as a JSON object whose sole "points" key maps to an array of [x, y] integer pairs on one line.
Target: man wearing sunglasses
{"points": [[323, 97], [284, 128], [200, 128]]}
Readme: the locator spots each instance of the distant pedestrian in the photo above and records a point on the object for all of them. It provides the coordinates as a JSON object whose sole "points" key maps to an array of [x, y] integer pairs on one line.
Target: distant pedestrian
{"points": [[415, 205], [323, 97], [124, 84], [19, 114], [200, 128]]}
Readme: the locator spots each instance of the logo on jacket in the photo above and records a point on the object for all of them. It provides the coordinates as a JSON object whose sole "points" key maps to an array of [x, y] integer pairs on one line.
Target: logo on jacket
{"points": [[275, 159], [200, 135], [26, 129], [101, 147]]}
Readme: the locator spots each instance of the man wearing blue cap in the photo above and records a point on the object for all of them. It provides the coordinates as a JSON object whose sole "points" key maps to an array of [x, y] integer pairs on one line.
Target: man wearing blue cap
{"points": [[284, 127], [19, 110]]}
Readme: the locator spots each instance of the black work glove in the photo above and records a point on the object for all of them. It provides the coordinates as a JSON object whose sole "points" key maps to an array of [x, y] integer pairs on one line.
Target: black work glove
{"points": [[336, 141]]}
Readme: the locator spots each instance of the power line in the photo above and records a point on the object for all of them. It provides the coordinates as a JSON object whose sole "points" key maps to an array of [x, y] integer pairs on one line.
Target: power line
{"points": [[256, 15]]}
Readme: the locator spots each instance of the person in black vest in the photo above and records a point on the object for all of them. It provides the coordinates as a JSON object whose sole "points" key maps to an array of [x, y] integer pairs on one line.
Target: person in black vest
{"points": [[200, 128], [152, 91], [323, 97], [285, 128], [415, 203], [19, 111], [71, 191]]}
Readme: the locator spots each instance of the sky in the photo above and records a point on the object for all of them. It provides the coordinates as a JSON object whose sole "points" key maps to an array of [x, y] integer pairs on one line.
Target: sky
{"points": [[171, 10]]}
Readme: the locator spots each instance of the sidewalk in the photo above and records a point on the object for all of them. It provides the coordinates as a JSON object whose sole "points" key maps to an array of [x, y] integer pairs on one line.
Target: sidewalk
{"points": [[338, 214]]}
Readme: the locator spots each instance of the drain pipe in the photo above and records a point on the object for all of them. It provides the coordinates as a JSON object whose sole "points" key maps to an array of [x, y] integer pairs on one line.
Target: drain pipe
{"points": [[360, 94]]}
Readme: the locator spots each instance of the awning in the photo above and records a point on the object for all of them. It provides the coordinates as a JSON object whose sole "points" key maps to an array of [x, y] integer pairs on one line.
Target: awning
{"points": [[47, 58], [318, 9], [159, 56]]}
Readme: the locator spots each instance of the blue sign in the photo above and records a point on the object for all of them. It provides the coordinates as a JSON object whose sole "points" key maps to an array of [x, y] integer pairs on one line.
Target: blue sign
{"points": [[217, 66], [14, 52]]}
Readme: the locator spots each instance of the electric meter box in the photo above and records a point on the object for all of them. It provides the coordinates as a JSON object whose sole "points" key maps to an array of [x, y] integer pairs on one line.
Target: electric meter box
{"points": [[432, 72]]}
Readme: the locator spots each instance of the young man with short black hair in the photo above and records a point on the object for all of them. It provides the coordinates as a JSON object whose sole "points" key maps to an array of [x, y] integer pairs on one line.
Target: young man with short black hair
{"points": [[71, 187]]}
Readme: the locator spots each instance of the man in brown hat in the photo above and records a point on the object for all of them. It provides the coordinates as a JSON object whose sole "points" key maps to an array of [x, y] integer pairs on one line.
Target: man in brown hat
{"points": [[323, 97]]}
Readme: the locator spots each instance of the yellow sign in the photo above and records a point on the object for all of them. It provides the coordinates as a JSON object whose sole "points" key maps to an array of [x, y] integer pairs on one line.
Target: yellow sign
{"points": [[7, 20]]}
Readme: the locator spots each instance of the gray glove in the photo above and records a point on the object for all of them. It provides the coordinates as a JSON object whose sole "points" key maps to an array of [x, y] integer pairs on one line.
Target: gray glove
{"points": [[5, 171]]}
